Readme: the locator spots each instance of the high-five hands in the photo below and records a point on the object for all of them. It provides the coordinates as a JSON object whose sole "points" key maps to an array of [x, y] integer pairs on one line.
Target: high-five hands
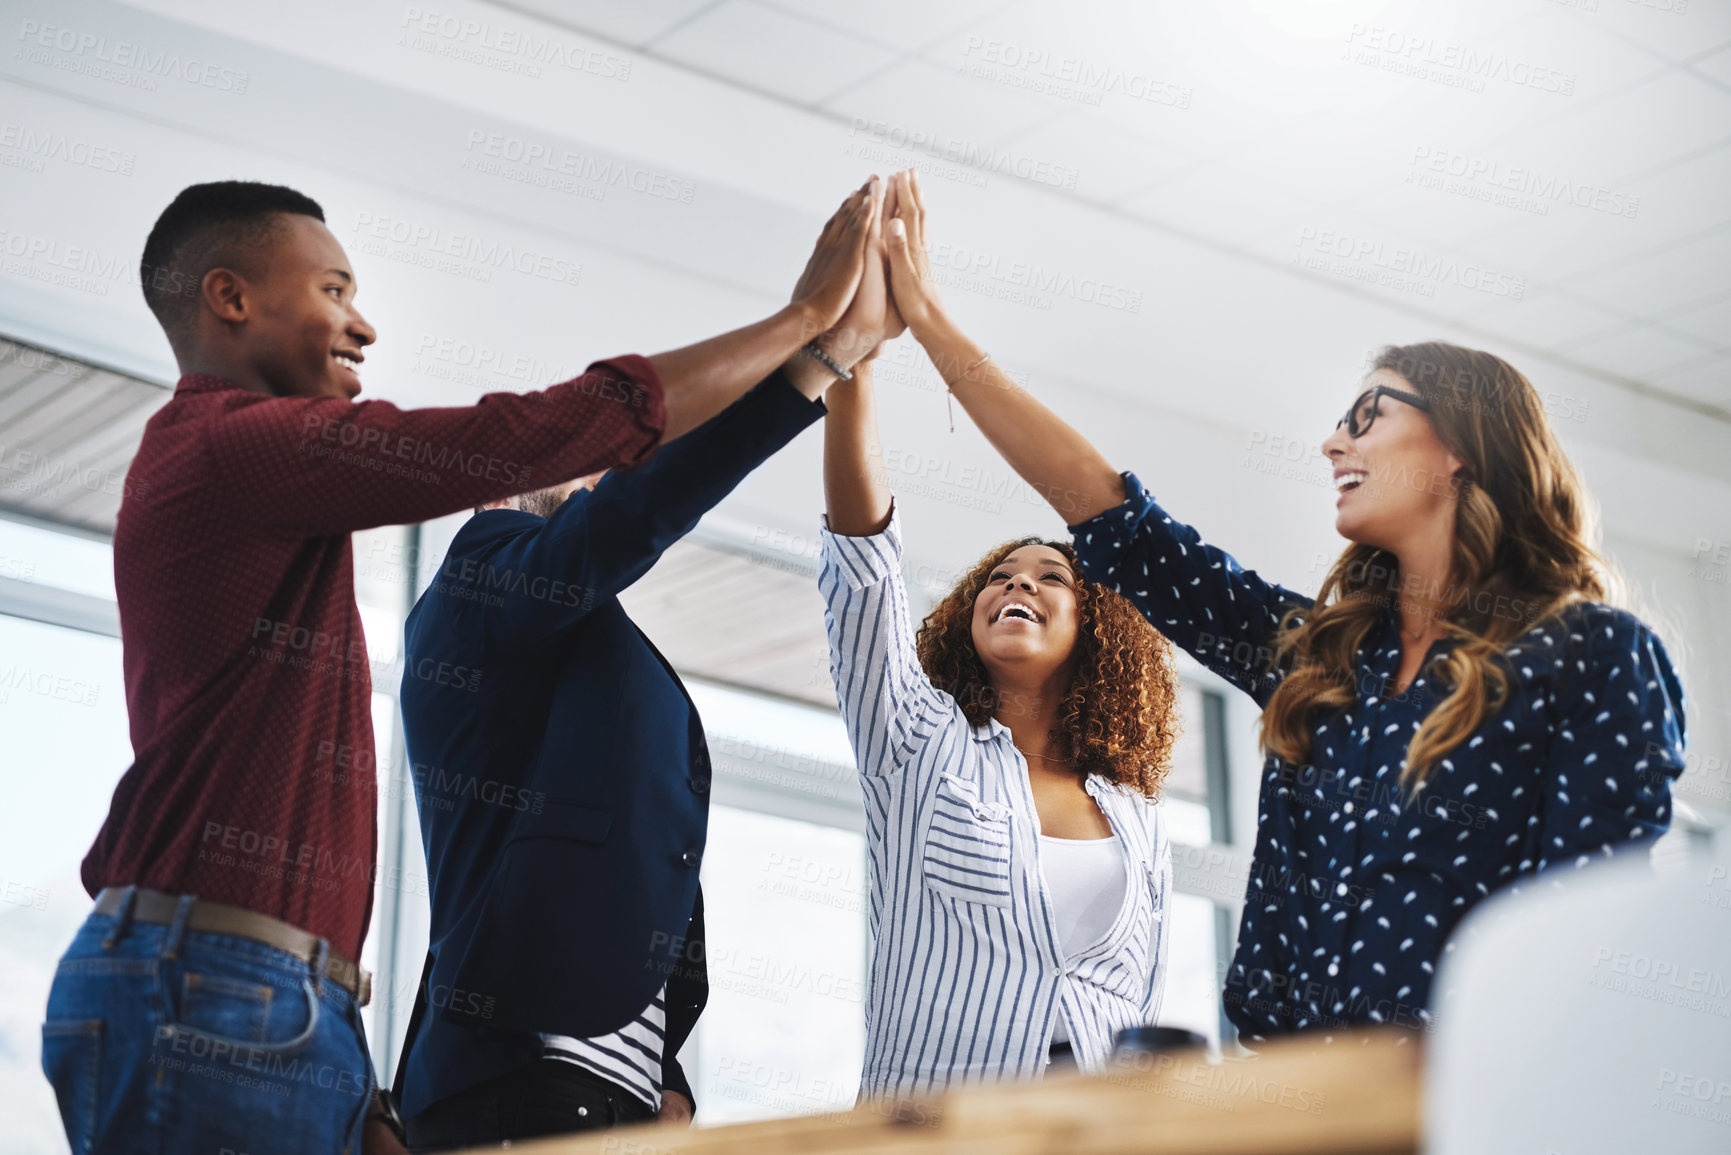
{"points": [[870, 256], [896, 288], [831, 277], [867, 321], [914, 291]]}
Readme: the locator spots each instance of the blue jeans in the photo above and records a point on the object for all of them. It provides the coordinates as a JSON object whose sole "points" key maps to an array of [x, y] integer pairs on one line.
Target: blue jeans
{"points": [[164, 1040]]}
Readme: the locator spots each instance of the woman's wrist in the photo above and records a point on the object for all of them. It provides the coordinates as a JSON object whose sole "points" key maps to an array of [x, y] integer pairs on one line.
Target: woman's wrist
{"points": [[848, 347], [934, 328], [951, 352], [802, 318]]}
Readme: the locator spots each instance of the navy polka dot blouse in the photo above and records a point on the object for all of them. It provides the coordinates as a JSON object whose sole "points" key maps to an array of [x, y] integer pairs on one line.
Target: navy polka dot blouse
{"points": [[1354, 888]]}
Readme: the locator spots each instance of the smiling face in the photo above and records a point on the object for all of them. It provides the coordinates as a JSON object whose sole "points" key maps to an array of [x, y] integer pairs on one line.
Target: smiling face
{"points": [[1395, 480], [1027, 616], [301, 331]]}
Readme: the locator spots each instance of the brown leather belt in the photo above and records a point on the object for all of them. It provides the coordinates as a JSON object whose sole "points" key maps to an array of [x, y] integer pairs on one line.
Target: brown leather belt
{"points": [[153, 906]]}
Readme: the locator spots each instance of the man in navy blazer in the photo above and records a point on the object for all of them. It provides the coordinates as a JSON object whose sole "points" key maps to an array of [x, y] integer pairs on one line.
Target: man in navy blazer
{"points": [[562, 781]]}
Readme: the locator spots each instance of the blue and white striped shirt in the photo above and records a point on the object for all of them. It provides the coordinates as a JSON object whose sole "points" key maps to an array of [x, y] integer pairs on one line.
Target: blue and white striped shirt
{"points": [[968, 978], [630, 1056]]}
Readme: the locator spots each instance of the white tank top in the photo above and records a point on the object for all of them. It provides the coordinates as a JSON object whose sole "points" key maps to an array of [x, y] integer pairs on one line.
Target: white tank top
{"points": [[1086, 880]]}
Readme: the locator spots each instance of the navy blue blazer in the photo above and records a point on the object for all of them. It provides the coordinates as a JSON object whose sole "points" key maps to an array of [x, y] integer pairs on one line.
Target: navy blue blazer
{"points": [[560, 768]]}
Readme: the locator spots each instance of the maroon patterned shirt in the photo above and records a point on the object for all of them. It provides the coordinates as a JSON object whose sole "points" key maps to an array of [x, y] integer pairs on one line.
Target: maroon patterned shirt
{"points": [[247, 682]]}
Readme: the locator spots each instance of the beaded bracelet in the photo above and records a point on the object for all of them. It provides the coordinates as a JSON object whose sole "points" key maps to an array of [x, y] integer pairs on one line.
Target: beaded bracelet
{"points": [[811, 350]]}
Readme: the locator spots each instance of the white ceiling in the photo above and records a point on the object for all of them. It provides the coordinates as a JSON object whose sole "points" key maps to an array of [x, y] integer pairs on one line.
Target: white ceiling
{"points": [[1283, 133], [1267, 138]]}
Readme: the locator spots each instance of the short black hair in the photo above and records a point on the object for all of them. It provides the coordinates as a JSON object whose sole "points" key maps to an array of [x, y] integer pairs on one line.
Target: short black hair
{"points": [[208, 226]]}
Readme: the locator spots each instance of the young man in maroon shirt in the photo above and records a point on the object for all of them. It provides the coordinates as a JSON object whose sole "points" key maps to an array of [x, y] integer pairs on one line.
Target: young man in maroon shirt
{"points": [[212, 998]]}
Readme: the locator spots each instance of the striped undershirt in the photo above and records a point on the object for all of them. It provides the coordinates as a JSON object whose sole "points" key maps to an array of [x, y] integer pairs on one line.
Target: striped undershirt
{"points": [[630, 1056]]}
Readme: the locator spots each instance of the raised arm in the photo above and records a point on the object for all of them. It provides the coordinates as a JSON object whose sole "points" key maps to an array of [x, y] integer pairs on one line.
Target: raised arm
{"points": [[327, 465], [1058, 462], [1195, 594], [856, 496], [703, 379], [600, 542], [887, 702]]}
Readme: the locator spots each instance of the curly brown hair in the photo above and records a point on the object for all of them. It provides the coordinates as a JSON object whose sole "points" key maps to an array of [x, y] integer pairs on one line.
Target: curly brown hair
{"points": [[1119, 718]]}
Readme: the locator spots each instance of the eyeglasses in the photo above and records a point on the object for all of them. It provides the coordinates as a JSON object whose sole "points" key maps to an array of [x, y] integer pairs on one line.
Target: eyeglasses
{"points": [[1362, 415]]}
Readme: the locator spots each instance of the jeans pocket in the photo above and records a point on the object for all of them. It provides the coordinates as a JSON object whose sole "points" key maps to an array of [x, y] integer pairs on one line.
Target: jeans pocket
{"points": [[226, 1007], [233, 1019], [72, 1060]]}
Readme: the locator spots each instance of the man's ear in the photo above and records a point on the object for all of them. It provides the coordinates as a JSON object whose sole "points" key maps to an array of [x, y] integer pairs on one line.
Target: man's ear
{"points": [[224, 293], [502, 503]]}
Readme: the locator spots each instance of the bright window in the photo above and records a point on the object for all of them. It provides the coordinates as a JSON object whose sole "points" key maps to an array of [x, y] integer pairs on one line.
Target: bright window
{"points": [[785, 912], [64, 746]]}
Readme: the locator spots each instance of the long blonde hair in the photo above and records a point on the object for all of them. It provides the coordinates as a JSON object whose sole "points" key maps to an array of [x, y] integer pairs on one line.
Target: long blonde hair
{"points": [[1521, 554]]}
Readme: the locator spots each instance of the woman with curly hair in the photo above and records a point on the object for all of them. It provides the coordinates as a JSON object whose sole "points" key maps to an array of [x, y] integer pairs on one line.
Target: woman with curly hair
{"points": [[1456, 709], [1009, 755]]}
